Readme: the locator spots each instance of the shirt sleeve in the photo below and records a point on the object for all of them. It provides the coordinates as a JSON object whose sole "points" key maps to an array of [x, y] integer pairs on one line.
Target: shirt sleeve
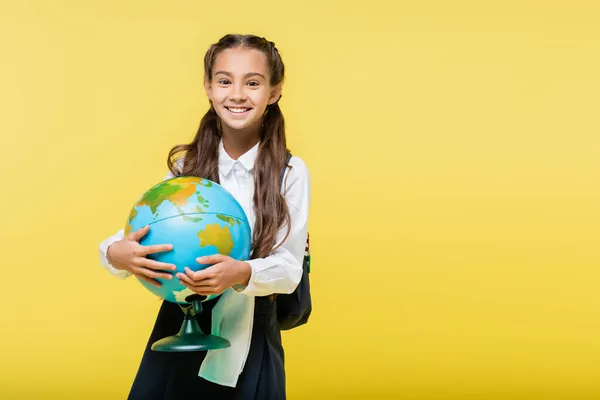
{"points": [[281, 271], [119, 273], [120, 234]]}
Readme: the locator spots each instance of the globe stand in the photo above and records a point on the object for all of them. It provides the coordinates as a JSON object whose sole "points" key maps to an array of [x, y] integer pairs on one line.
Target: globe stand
{"points": [[190, 336]]}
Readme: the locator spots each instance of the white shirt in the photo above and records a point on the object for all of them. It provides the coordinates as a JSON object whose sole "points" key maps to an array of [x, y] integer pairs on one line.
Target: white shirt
{"points": [[280, 272]]}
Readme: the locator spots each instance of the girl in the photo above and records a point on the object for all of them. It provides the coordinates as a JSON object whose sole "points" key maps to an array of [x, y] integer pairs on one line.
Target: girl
{"points": [[241, 144]]}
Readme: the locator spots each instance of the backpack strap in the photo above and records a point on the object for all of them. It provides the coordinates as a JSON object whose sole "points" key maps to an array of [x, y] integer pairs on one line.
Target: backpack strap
{"points": [[307, 248], [307, 253], [294, 309]]}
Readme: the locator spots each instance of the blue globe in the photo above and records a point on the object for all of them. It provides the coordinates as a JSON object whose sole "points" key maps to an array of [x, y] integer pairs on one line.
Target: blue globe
{"points": [[199, 218]]}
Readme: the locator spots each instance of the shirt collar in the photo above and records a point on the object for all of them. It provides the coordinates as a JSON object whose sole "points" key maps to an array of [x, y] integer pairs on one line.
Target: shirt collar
{"points": [[247, 159]]}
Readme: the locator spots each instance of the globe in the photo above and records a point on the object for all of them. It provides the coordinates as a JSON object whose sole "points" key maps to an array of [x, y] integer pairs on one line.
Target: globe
{"points": [[199, 218]]}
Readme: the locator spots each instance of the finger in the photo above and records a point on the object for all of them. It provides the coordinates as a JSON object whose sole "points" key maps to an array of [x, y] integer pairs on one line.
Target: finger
{"points": [[153, 274], [156, 248], [186, 280], [204, 290], [199, 275], [205, 283], [150, 281], [138, 234], [194, 282], [214, 259], [157, 265]]}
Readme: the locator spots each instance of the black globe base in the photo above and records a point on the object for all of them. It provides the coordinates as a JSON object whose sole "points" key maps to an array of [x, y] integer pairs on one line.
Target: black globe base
{"points": [[190, 336]]}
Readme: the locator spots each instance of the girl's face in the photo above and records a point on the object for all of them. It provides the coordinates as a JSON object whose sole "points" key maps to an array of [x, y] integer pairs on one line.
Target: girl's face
{"points": [[240, 88]]}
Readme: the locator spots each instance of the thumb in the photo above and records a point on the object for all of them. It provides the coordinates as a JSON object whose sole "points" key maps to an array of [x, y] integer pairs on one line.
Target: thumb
{"points": [[140, 233]]}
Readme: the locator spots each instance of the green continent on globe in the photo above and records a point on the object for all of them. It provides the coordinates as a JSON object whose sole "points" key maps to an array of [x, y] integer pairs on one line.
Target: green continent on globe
{"points": [[226, 218], [203, 201], [191, 218], [215, 235], [132, 215], [175, 191]]}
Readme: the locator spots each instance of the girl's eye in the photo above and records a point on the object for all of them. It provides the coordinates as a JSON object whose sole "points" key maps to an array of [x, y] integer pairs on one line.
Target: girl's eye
{"points": [[253, 83], [223, 81]]}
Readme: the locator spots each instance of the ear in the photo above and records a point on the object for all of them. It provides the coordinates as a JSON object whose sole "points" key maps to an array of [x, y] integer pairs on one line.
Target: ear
{"points": [[275, 93]]}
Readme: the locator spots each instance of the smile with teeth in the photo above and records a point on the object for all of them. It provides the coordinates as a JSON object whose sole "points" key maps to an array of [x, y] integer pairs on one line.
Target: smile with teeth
{"points": [[238, 110]]}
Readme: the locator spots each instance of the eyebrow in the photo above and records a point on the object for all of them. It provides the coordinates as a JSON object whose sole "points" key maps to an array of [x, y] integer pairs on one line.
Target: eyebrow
{"points": [[249, 74]]}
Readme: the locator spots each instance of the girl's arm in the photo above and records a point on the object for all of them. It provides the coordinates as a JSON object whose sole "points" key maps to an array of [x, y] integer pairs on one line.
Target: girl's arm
{"points": [[281, 271], [119, 235]]}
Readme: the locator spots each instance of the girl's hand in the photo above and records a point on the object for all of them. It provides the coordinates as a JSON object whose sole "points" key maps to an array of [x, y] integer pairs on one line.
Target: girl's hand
{"points": [[130, 255], [220, 276]]}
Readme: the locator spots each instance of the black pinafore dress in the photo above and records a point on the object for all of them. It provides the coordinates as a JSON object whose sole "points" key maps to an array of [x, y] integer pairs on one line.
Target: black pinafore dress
{"points": [[174, 376]]}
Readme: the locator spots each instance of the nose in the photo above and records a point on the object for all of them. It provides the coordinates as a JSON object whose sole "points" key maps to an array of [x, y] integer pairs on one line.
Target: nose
{"points": [[238, 92]]}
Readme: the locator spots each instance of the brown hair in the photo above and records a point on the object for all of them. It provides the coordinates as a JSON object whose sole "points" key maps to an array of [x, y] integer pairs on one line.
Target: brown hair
{"points": [[202, 154]]}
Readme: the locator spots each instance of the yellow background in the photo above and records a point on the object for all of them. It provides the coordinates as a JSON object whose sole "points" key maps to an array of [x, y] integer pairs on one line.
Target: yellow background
{"points": [[454, 153]]}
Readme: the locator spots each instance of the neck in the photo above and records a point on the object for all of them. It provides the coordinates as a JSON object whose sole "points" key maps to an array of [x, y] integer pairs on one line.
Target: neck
{"points": [[238, 142]]}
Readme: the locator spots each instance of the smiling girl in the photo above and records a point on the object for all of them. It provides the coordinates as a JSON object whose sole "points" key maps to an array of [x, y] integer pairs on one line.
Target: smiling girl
{"points": [[240, 144]]}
